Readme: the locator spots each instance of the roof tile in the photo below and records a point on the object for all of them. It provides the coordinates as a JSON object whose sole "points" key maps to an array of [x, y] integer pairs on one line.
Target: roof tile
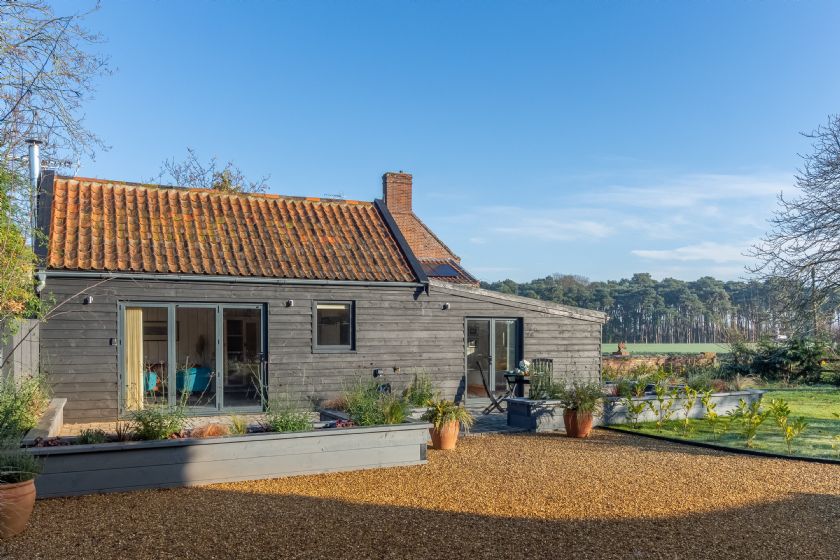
{"points": [[111, 226]]}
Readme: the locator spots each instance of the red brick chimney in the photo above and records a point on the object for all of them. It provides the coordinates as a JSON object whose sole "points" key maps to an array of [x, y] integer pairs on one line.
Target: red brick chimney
{"points": [[396, 189]]}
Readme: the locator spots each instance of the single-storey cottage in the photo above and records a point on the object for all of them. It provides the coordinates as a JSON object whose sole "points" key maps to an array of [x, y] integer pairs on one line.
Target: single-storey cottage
{"points": [[219, 300]]}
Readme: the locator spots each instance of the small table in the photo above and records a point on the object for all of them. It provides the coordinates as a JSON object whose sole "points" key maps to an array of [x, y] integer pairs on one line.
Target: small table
{"points": [[517, 382]]}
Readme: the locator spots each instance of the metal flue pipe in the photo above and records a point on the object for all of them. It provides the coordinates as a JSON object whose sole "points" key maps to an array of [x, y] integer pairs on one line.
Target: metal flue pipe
{"points": [[34, 177]]}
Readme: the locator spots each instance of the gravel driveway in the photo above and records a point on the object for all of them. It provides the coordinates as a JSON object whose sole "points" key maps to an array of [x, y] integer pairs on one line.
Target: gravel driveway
{"points": [[497, 496]]}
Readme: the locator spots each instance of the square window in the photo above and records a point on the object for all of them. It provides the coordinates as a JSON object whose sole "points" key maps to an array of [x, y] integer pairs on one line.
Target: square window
{"points": [[334, 326]]}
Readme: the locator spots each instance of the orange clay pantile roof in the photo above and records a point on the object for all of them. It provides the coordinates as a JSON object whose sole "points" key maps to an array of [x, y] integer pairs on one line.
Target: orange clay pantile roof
{"points": [[99, 225]]}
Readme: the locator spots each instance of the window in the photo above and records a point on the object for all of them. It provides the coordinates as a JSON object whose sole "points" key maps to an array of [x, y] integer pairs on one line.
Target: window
{"points": [[333, 326]]}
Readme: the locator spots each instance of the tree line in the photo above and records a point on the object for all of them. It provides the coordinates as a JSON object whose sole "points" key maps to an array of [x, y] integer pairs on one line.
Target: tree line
{"points": [[643, 309]]}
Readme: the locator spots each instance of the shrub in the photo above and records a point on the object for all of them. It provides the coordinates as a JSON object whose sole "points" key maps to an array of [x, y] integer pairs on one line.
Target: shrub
{"points": [[543, 387], [750, 417], [690, 398], [213, 429], [663, 409], [634, 410], [700, 378], [719, 385], [743, 382], [123, 430], [420, 392], [394, 409], [286, 415], [338, 403], [711, 415], [582, 396], [17, 465], [368, 405], [238, 425], [21, 404], [90, 436], [442, 412], [791, 429], [362, 400], [158, 422]]}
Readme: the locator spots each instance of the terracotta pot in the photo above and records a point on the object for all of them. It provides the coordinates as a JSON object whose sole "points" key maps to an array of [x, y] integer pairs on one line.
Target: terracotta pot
{"points": [[16, 503], [578, 424], [446, 437]]}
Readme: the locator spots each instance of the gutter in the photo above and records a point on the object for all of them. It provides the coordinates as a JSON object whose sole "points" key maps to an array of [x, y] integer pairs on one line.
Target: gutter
{"points": [[42, 275]]}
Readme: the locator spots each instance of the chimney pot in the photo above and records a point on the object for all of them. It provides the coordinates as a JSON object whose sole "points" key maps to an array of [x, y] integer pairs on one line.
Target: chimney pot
{"points": [[396, 190]]}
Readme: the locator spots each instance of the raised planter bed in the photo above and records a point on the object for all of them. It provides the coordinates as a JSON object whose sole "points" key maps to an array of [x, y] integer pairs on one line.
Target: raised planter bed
{"points": [[535, 416], [615, 409], [115, 467], [49, 425], [547, 415]]}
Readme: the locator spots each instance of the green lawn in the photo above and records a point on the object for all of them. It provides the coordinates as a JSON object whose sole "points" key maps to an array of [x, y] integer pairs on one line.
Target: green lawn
{"points": [[633, 348], [816, 404]]}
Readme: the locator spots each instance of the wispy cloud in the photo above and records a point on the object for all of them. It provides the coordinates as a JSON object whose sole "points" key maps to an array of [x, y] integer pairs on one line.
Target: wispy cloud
{"points": [[547, 229], [705, 251], [697, 190]]}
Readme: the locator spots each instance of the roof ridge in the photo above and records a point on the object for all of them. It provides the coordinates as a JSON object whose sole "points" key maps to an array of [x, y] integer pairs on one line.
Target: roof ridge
{"points": [[214, 192]]}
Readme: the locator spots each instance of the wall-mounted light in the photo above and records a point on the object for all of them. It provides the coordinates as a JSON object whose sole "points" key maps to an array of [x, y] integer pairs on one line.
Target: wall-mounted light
{"points": [[88, 300], [445, 306], [290, 303], [377, 372]]}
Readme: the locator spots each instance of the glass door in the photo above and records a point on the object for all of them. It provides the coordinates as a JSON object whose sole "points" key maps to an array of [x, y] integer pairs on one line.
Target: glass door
{"points": [[204, 357], [243, 357], [493, 348], [479, 358], [506, 351], [145, 357], [196, 370]]}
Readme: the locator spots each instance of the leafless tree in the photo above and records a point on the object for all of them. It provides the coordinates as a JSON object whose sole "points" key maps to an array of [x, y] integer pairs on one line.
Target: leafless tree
{"points": [[803, 245], [47, 71], [191, 172]]}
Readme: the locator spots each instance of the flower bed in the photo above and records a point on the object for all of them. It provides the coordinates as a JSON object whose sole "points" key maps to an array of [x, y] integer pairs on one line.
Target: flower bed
{"points": [[122, 466]]}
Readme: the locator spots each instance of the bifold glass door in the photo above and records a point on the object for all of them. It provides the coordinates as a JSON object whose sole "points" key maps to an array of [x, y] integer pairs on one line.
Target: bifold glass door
{"points": [[204, 357], [493, 348]]}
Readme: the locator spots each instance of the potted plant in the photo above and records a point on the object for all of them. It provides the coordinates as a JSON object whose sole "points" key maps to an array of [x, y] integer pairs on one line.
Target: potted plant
{"points": [[446, 418], [18, 469], [580, 401]]}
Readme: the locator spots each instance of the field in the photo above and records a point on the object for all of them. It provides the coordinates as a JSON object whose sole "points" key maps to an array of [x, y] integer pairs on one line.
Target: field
{"points": [[818, 405], [667, 348]]}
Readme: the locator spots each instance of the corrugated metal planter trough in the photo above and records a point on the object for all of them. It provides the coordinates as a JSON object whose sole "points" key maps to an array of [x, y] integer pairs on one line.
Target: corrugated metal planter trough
{"points": [[615, 409], [116, 467], [547, 415]]}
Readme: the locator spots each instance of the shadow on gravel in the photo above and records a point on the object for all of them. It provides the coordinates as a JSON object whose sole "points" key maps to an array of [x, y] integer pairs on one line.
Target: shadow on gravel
{"points": [[214, 523]]}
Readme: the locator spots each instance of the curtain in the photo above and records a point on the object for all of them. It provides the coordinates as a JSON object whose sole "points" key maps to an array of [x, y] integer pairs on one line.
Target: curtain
{"points": [[133, 358]]}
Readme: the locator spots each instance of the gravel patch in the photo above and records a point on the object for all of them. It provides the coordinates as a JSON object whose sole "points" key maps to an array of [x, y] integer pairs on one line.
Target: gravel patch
{"points": [[612, 495]]}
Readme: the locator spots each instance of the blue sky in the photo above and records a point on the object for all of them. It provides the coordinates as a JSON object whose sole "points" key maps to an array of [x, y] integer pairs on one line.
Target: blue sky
{"points": [[598, 138]]}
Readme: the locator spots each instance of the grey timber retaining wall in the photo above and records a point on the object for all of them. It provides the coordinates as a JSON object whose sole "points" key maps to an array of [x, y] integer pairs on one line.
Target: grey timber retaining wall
{"points": [[116, 467]]}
